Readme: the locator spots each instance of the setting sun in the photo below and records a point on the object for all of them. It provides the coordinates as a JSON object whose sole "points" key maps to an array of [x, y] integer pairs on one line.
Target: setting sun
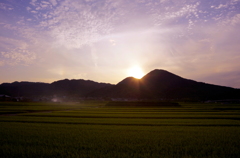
{"points": [[135, 72]]}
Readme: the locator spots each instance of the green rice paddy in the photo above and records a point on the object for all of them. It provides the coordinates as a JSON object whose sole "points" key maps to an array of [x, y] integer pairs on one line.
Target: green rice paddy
{"points": [[91, 129]]}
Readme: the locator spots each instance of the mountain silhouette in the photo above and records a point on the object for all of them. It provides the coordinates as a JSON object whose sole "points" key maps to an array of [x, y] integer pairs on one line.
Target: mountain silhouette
{"points": [[157, 84], [26, 89], [161, 84], [76, 88]]}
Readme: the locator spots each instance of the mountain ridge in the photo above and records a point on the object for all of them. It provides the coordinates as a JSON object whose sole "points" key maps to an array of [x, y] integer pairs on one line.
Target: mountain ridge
{"points": [[161, 84], [157, 84], [76, 87]]}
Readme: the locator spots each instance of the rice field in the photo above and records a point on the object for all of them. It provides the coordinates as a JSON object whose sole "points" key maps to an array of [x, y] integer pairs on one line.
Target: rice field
{"points": [[92, 129]]}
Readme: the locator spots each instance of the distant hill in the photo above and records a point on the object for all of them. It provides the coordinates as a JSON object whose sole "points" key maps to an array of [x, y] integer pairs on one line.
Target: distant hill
{"points": [[59, 88], [26, 89], [75, 87], [157, 84], [161, 84]]}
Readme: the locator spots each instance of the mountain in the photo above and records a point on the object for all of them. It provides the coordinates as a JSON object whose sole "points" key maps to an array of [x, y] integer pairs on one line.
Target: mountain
{"points": [[76, 88], [26, 89], [157, 84], [161, 84]]}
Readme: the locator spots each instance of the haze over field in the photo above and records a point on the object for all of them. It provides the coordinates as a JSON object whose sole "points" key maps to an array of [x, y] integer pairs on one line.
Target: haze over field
{"points": [[108, 40]]}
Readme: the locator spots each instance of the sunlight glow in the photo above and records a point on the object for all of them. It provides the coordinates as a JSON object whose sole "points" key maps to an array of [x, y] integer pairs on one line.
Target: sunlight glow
{"points": [[135, 72]]}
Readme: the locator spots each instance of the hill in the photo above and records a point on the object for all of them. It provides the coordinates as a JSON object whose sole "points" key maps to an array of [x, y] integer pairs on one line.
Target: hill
{"points": [[157, 84], [161, 84], [76, 88]]}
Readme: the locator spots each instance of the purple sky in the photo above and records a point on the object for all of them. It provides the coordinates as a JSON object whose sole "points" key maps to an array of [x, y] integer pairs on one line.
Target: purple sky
{"points": [[48, 40]]}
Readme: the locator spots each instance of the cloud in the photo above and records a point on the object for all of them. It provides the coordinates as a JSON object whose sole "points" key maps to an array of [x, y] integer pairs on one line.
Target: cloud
{"points": [[4, 6], [54, 2], [173, 11], [231, 21], [78, 23], [16, 52], [186, 10], [225, 4], [21, 45], [19, 55], [75, 24], [33, 2]]}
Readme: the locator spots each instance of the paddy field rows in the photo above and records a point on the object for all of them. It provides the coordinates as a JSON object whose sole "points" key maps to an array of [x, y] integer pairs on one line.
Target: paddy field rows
{"points": [[91, 129]]}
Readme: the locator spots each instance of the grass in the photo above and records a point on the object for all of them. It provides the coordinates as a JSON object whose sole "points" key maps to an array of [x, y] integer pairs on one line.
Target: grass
{"points": [[90, 129]]}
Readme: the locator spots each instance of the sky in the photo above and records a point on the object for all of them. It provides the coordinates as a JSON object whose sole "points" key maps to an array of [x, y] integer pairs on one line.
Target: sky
{"points": [[102, 40]]}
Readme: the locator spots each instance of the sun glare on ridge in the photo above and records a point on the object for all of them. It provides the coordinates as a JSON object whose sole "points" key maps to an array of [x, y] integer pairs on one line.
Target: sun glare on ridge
{"points": [[135, 72]]}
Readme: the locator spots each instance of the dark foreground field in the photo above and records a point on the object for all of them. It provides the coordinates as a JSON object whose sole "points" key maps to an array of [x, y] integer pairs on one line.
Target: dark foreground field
{"points": [[91, 129]]}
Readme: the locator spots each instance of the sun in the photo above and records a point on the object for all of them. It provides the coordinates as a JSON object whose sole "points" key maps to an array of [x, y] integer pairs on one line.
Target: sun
{"points": [[135, 72]]}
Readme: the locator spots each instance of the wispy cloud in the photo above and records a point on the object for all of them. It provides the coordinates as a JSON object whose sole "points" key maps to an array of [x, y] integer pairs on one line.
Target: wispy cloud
{"points": [[4, 6], [16, 52]]}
